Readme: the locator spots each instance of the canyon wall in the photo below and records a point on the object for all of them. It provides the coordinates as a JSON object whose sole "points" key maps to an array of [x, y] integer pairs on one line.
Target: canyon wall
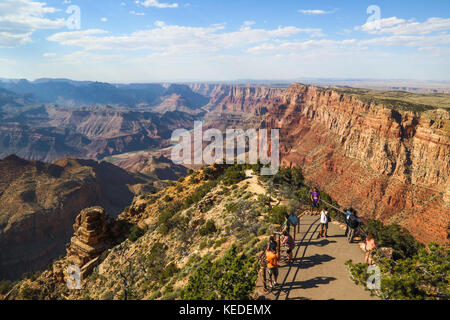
{"points": [[228, 98], [391, 165]]}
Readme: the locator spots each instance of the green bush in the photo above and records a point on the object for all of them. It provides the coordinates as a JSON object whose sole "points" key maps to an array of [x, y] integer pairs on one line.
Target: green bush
{"points": [[394, 236], [276, 214], [136, 233], [209, 228], [422, 276], [233, 174], [232, 277]]}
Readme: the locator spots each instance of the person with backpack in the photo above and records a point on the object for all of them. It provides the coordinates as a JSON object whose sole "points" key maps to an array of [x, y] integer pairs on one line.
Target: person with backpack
{"points": [[353, 222], [348, 212], [272, 258], [315, 201], [286, 224], [324, 219], [290, 243]]}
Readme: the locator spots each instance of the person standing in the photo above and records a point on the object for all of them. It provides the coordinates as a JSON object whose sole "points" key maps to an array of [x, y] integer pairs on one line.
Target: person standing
{"points": [[324, 219], [370, 247], [315, 201], [290, 242], [348, 212], [353, 223], [272, 258], [272, 243], [286, 224]]}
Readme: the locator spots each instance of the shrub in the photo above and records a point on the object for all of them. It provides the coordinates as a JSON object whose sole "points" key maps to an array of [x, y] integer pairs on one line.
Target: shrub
{"points": [[209, 228], [136, 233], [233, 175], [5, 286], [232, 277], [276, 214], [394, 236], [422, 276]]}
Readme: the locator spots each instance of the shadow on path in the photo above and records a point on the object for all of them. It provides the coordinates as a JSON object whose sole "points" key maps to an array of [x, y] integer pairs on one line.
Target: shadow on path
{"points": [[307, 284]]}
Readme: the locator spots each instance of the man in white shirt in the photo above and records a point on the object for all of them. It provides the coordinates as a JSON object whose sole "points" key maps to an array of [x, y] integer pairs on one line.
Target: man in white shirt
{"points": [[324, 219]]}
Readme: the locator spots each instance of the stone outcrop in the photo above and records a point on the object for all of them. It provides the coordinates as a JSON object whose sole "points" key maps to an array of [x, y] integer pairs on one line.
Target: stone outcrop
{"points": [[91, 236]]}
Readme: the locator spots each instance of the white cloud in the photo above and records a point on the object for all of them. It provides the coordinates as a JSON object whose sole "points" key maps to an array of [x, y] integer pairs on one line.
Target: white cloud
{"points": [[49, 54], [394, 25], [19, 19], [314, 11], [104, 19], [137, 13], [157, 4], [178, 39]]}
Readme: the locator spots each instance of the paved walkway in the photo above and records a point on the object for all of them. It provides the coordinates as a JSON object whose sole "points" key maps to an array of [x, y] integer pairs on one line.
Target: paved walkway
{"points": [[319, 271]]}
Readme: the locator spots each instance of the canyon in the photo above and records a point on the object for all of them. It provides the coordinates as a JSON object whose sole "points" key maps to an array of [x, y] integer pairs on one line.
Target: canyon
{"points": [[391, 164], [389, 159]]}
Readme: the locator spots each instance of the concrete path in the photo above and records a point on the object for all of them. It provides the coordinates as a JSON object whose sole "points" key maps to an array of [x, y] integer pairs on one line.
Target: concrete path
{"points": [[319, 271]]}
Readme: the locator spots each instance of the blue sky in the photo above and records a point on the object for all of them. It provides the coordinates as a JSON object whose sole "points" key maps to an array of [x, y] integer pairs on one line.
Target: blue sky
{"points": [[197, 40]]}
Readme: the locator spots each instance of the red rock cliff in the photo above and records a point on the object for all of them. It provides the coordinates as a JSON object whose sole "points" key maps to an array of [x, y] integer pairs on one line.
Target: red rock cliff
{"points": [[392, 165]]}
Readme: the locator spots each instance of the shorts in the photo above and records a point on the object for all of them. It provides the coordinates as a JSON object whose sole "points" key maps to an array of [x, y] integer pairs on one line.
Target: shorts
{"points": [[273, 271], [315, 204], [324, 225], [289, 251]]}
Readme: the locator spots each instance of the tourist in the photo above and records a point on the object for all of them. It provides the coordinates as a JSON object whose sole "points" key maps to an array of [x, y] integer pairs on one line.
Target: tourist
{"points": [[370, 247], [286, 224], [272, 243], [348, 212], [353, 223], [290, 243], [324, 219], [315, 201], [272, 258]]}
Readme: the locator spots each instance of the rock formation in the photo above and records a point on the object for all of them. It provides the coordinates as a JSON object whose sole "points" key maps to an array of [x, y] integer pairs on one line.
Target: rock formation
{"points": [[91, 236]]}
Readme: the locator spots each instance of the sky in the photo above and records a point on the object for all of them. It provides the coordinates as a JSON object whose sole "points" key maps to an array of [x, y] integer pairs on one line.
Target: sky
{"points": [[216, 40]]}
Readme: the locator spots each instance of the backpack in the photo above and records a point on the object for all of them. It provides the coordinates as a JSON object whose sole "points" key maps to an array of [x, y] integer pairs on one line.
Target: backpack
{"points": [[352, 221], [293, 219]]}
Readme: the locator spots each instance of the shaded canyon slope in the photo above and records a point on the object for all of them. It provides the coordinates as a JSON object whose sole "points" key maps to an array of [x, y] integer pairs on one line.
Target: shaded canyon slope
{"points": [[39, 203]]}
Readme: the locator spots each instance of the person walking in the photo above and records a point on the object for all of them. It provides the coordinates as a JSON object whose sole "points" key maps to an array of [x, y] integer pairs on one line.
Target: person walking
{"points": [[272, 258], [315, 201], [290, 243], [324, 219]]}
